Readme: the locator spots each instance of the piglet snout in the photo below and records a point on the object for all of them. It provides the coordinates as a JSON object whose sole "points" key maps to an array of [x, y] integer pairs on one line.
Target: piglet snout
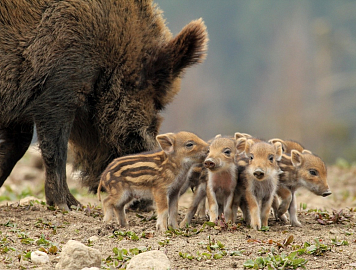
{"points": [[259, 173], [326, 193], [209, 164]]}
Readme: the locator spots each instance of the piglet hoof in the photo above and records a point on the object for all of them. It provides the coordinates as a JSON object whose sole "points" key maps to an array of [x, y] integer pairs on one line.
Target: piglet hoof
{"points": [[107, 218], [256, 226], [161, 228], [283, 218], [183, 224], [296, 223]]}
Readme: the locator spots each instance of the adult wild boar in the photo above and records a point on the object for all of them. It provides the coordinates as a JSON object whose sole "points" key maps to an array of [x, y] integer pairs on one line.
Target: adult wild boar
{"points": [[92, 73]]}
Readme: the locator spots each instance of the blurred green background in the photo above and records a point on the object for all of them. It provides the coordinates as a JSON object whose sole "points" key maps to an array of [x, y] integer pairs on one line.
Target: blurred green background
{"points": [[283, 69]]}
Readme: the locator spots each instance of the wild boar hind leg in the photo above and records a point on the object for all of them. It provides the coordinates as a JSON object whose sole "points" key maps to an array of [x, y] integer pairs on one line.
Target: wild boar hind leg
{"points": [[14, 141]]}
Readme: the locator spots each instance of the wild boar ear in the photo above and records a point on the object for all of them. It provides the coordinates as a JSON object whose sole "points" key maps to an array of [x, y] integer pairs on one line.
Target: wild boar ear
{"points": [[248, 146], [239, 135], [305, 151], [275, 140], [189, 46], [166, 142], [240, 145], [217, 136], [296, 157], [279, 150]]}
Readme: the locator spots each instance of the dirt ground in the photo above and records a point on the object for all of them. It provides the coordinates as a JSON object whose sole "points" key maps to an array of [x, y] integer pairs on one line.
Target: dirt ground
{"points": [[327, 239]]}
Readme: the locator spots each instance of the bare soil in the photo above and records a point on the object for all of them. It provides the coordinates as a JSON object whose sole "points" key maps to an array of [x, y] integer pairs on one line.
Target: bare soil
{"points": [[27, 226]]}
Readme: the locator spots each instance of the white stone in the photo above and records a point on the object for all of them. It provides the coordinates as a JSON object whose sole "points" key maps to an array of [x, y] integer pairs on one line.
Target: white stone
{"points": [[93, 238], [149, 260], [39, 257], [76, 256]]}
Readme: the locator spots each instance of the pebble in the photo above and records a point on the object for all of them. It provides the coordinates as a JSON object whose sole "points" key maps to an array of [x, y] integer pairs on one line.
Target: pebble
{"points": [[39, 257]]}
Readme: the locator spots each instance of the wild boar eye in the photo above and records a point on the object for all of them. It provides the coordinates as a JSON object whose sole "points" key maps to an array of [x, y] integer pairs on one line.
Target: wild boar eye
{"points": [[251, 157], [227, 151], [189, 145], [270, 158], [313, 172]]}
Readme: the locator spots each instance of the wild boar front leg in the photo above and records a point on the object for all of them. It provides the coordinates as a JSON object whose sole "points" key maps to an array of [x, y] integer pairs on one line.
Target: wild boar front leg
{"points": [[173, 209], [254, 210], [160, 197], [199, 197], [213, 205], [293, 212], [266, 210], [53, 128], [228, 208], [286, 196]]}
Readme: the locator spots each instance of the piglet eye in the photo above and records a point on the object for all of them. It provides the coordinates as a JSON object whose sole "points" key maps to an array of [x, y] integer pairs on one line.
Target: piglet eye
{"points": [[270, 158], [227, 152], [313, 172], [251, 157], [189, 145]]}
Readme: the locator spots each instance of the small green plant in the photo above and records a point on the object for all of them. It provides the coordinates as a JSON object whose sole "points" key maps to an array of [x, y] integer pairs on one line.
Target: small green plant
{"points": [[125, 235], [272, 261], [122, 256], [216, 250], [164, 242], [316, 249], [264, 229], [336, 242], [9, 224], [303, 206], [24, 238]]}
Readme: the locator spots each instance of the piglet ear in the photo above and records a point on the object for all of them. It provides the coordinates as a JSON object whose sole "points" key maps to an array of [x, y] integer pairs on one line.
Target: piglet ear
{"points": [[273, 141], [189, 46], [166, 142], [279, 150], [248, 146], [297, 158], [240, 145]]}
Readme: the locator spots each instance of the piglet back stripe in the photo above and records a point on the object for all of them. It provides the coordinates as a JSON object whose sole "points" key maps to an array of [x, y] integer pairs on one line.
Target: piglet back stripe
{"points": [[142, 170]]}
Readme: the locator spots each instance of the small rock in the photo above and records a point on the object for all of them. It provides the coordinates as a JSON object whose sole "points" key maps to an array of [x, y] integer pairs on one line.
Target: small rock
{"points": [[39, 257], [27, 200], [149, 260], [93, 238], [76, 256], [334, 231]]}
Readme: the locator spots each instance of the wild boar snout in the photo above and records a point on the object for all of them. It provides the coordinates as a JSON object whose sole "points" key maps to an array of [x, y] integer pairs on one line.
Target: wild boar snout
{"points": [[209, 163], [259, 173]]}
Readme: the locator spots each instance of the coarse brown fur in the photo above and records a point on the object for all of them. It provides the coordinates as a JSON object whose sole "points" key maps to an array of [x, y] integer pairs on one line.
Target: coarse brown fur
{"points": [[257, 180], [158, 175], [92, 73]]}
